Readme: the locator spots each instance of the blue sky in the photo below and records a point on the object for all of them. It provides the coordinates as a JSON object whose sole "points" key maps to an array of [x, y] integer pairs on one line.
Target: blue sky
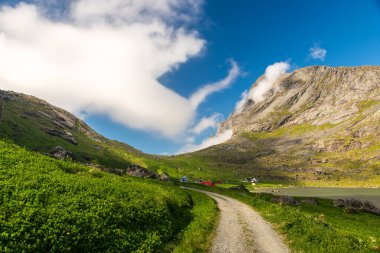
{"points": [[254, 34]]}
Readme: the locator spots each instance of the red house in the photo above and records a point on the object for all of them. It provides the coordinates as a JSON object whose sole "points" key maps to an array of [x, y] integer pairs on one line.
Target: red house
{"points": [[209, 183]]}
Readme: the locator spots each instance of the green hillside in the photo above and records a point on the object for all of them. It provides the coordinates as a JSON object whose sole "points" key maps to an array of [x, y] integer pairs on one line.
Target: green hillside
{"points": [[39, 126], [47, 205]]}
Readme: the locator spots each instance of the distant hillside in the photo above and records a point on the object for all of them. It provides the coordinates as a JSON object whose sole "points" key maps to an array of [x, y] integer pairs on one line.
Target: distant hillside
{"points": [[319, 124], [40, 126]]}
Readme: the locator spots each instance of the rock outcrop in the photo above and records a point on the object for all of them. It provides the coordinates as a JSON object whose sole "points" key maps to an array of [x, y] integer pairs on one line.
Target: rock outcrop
{"points": [[61, 153]]}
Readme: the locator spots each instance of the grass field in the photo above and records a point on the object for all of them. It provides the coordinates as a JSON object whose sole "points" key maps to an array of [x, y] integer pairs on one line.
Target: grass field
{"points": [[47, 205]]}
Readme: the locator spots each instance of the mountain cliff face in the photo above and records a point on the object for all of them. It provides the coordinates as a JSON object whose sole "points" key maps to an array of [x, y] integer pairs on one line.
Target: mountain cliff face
{"points": [[317, 123], [314, 95]]}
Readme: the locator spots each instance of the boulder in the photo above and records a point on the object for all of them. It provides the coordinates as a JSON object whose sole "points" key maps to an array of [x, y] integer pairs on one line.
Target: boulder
{"points": [[61, 153], [287, 200], [165, 177], [239, 188], [310, 201], [137, 171], [355, 205]]}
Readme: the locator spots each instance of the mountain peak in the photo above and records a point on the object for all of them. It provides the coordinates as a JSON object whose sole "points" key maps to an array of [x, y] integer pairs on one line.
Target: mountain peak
{"points": [[316, 95]]}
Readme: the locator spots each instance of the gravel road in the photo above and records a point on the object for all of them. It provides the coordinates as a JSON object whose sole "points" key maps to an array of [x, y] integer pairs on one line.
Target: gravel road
{"points": [[242, 230]]}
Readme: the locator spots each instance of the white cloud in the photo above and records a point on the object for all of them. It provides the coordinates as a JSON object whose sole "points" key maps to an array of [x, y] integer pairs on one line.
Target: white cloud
{"points": [[316, 52], [240, 104], [215, 140], [104, 57], [272, 73], [198, 97], [207, 122], [131, 11]]}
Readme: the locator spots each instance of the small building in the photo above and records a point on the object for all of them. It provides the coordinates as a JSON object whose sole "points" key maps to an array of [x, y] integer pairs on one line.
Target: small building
{"points": [[209, 183], [184, 179], [254, 181]]}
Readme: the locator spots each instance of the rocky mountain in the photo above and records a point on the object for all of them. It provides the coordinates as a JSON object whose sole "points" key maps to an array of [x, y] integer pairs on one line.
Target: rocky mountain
{"points": [[314, 95], [315, 124]]}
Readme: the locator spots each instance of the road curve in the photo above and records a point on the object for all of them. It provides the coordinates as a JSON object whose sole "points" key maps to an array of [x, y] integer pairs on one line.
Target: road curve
{"points": [[242, 230]]}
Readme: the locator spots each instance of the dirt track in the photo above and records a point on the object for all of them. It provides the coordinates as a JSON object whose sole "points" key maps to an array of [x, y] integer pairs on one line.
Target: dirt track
{"points": [[243, 230]]}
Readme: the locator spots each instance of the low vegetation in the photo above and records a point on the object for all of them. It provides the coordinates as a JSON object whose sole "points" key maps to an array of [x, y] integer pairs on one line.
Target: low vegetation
{"points": [[314, 228], [197, 237], [47, 205]]}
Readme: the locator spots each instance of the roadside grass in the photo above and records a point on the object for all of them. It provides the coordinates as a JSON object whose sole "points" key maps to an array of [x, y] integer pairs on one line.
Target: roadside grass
{"points": [[198, 235], [314, 228]]}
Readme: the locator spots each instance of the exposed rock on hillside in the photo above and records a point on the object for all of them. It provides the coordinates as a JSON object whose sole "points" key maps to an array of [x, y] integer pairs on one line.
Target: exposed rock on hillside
{"points": [[315, 95], [317, 123], [61, 153]]}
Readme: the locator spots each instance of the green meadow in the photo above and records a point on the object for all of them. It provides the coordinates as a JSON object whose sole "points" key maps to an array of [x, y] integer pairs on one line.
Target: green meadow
{"points": [[47, 205]]}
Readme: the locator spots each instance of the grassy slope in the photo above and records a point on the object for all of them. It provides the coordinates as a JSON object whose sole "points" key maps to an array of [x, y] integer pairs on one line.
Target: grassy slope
{"points": [[315, 228], [61, 206], [23, 121]]}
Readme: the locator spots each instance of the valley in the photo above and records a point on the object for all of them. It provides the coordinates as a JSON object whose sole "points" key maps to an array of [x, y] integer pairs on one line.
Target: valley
{"points": [[189, 126], [56, 169]]}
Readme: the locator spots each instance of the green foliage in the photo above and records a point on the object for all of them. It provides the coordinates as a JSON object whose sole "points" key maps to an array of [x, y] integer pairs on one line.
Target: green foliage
{"points": [[198, 235], [314, 228], [48, 205]]}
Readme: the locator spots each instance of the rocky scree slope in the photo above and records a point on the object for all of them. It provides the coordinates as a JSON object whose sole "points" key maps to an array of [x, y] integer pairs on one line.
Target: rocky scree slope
{"points": [[316, 124]]}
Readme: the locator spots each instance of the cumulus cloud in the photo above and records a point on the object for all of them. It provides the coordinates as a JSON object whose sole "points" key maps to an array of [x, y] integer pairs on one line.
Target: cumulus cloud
{"points": [[198, 97], [215, 140], [131, 11], [316, 52], [207, 122], [272, 73], [104, 57]]}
